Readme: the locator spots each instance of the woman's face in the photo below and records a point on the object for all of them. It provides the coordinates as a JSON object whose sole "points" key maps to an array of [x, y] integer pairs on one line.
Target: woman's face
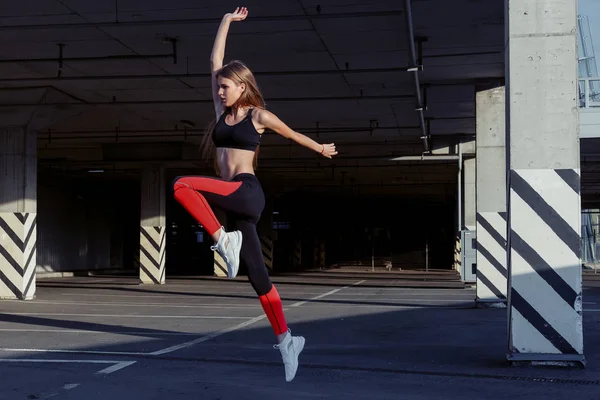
{"points": [[229, 91]]}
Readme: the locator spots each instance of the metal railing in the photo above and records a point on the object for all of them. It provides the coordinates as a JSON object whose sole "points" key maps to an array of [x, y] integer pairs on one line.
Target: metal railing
{"points": [[589, 92]]}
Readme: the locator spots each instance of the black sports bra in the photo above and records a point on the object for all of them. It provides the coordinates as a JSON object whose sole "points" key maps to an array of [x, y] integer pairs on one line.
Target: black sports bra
{"points": [[242, 135]]}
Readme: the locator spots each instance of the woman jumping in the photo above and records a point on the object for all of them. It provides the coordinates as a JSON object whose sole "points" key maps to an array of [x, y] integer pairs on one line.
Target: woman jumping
{"points": [[241, 118]]}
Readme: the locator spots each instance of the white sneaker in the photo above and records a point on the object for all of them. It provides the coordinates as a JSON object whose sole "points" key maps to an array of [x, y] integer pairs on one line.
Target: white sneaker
{"points": [[290, 349], [229, 246]]}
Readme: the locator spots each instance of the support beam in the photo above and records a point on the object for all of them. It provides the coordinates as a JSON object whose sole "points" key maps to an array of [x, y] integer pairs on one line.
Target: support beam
{"points": [[492, 275], [544, 218], [153, 225], [467, 233], [469, 195], [18, 213]]}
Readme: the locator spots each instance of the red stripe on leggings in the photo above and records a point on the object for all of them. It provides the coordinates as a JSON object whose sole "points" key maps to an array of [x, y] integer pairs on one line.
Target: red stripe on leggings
{"points": [[186, 193], [271, 303], [224, 188]]}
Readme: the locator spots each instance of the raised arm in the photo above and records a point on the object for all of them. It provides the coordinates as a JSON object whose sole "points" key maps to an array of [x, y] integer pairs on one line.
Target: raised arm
{"points": [[218, 52], [267, 119]]}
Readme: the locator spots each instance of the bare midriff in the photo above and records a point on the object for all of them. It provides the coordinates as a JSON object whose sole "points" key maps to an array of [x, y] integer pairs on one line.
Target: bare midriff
{"points": [[233, 162]]}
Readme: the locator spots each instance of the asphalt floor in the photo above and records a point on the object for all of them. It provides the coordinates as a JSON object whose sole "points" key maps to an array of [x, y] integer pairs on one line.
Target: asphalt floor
{"points": [[369, 335]]}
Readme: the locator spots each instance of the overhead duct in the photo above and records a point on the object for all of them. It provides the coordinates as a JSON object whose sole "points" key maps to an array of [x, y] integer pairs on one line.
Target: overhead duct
{"points": [[61, 59], [208, 74], [449, 157], [336, 129], [414, 70], [155, 102], [456, 82], [194, 21]]}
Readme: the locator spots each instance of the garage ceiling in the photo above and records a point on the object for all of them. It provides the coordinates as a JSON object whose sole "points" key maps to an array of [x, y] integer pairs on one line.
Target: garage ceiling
{"points": [[339, 71]]}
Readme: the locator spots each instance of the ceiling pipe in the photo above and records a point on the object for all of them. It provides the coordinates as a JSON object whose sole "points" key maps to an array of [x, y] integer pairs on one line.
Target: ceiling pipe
{"points": [[167, 102], [339, 129], [458, 82], [207, 75], [194, 21], [118, 135], [436, 167], [49, 135], [414, 69], [44, 87], [464, 54], [77, 59], [442, 157], [311, 158], [61, 59]]}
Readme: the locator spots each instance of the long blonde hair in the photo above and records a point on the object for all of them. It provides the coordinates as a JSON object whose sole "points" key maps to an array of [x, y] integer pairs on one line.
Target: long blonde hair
{"points": [[238, 72]]}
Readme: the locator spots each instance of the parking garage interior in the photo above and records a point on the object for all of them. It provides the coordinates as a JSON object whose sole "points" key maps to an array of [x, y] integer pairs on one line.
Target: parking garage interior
{"points": [[105, 100], [103, 105]]}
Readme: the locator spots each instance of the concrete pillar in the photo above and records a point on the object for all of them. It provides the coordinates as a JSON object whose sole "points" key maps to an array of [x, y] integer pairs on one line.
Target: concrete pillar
{"points": [[464, 253], [545, 304], [18, 213], [152, 225], [319, 253], [469, 194], [492, 274], [297, 257]]}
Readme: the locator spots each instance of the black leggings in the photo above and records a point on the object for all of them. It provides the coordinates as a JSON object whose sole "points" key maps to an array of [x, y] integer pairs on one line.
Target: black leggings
{"points": [[243, 200]]}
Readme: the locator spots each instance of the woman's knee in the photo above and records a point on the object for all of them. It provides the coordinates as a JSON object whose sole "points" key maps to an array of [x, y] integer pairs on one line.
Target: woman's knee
{"points": [[260, 281], [179, 182]]}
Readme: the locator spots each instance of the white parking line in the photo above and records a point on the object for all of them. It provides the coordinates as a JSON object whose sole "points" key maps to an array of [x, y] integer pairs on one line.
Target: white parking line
{"points": [[128, 315], [133, 333], [199, 295], [396, 299], [207, 337], [120, 353], [300, 303], [117, 365], [171, 349], [91, 303], [251, 295], [400, 293], [191, 342]]}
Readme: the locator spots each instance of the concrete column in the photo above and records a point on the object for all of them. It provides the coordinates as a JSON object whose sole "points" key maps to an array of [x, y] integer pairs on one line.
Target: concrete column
{"points": [[464, 253], [153, 225], [491, 197], [544, 266], [18, 213], [469, 194], [297, 257]]}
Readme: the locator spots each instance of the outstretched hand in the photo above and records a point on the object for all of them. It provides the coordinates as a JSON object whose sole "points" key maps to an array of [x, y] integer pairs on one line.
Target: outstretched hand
{"points": [[239, 14], [328, 150]]}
